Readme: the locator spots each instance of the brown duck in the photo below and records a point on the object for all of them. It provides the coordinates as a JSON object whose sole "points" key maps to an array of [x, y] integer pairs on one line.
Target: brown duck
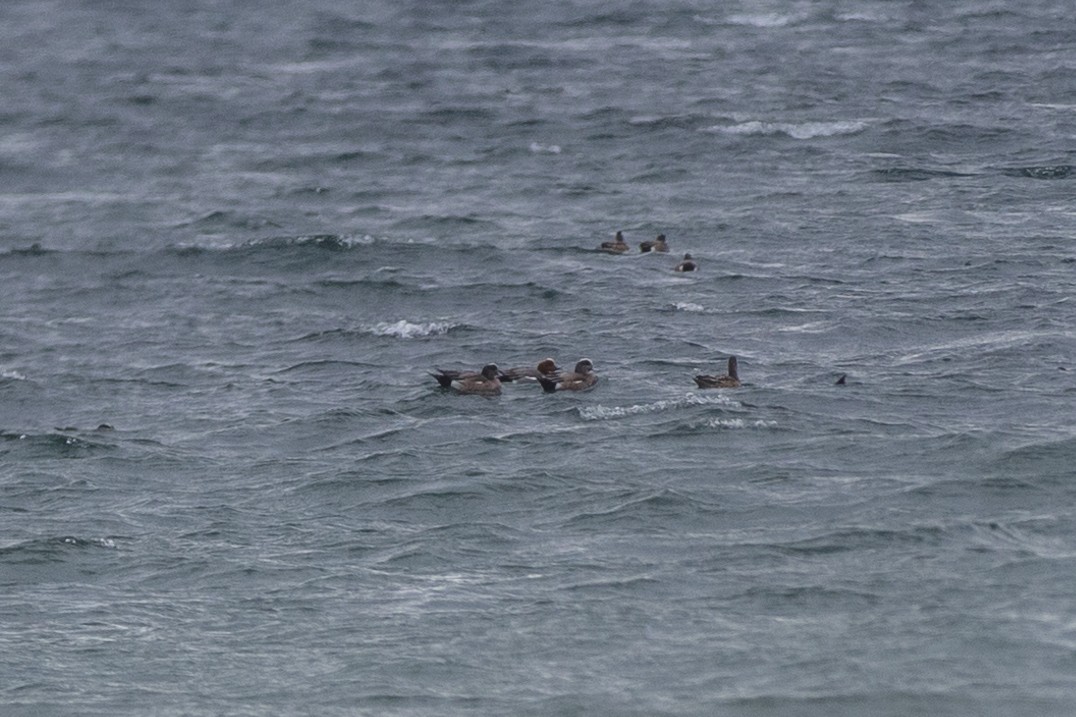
{"points": [[729, 380], [688, 264], [486, 382], [658, 244], [547, 368], [582, 378], [618, 246]]}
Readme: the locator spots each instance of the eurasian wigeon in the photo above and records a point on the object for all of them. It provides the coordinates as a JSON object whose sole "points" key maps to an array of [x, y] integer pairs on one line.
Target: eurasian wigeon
{"points": [[581, 379], [616, 247], [729, 380], [547, 368], [486, 382], [656, 245], [688, 264]]}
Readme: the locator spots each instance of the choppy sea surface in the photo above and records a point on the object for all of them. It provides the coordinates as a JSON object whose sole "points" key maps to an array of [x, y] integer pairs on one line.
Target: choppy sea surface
{"points": [[235, 238]]}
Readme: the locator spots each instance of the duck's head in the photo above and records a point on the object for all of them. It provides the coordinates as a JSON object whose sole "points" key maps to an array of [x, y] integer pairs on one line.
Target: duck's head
{"points": [[490, 371], [584, 366], [547, 366]]}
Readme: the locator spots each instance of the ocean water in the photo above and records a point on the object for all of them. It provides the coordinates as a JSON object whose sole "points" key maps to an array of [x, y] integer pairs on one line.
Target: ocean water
{"points": [[236, 237]]}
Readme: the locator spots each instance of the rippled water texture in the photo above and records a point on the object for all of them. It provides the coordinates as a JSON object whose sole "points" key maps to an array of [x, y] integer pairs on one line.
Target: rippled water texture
{"points": [[235, 240]]}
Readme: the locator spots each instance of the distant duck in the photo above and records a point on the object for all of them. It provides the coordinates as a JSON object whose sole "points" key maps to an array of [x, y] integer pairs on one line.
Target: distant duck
{"points": [[729, 380], [486, 382], [547, 368], [656, 245], [582, 378], [688, 264], [619, 246]]}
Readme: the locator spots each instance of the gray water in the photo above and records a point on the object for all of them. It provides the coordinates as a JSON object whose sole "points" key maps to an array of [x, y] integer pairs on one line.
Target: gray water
{"points": [[236, 237]]}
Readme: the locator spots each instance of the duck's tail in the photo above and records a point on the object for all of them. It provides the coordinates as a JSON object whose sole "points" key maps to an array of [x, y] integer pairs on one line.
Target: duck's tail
{"points": [[444, 379]]}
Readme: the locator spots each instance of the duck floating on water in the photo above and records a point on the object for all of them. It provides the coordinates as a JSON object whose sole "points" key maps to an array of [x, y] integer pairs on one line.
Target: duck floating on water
{"points": [[658, 244], [688, 264], [617, 246], [486, 382], [581, 379], [546, 368], [729, 380]]}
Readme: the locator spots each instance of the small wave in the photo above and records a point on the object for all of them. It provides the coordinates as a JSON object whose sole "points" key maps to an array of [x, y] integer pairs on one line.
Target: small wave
{"points": [[861, 16], [912, 174], [404, 329], [1060, 171], [859, 538], [537, 148], [52, 445], [46, 549], [739, 423], [34, 249], [12, 375], [222, 220], [315, 366], [604, 413], [800, 130], [330, 242], [689, 307], [770, 19]]}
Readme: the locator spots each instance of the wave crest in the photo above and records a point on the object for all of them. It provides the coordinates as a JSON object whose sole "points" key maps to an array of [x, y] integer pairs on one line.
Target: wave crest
{"points": [[762, 20], [795, 130], [328, 242], [604, 413], [404, 329], [739, 423], [539, 148]]}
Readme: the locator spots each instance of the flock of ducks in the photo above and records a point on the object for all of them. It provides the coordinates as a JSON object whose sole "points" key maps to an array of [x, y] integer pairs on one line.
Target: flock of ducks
{"points": [[552, 378], [619, 246], [489, 380]]}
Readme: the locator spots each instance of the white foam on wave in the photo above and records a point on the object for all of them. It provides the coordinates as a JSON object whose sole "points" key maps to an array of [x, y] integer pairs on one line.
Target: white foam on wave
{"points": [[795, 130], [604, 413], [739, 423], [210, 242], [689, 307], [404, 329], [346, 241], [811, 327], [537, 148], [100, 542], [12, 374], [769, 19]]}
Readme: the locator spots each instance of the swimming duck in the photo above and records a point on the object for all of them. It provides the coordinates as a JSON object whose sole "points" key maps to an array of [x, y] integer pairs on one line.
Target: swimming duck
{"points": [[547, 368], [486, 382], [582, 378], [656, 245], [688, 264], [616, 247], [729, 380]]}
